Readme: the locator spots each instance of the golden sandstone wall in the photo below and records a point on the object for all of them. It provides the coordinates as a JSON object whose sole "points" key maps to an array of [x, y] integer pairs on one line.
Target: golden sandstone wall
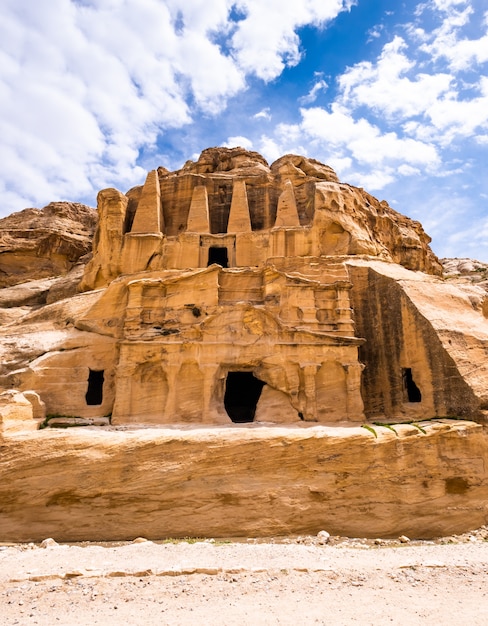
{"points": [[83, 484], [260, 314], [280, 280]]}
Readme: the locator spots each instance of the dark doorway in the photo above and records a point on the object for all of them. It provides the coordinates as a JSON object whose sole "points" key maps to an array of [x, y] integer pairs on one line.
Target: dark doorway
{"points": [[242, 391], [218, 255], [94, 394], [412, 392]]}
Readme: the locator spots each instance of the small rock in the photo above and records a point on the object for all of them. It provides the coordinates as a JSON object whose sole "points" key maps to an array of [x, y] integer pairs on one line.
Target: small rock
{"points": [[403, 539], [323, 537], [140, 540], [49, 543], [379, 542]]}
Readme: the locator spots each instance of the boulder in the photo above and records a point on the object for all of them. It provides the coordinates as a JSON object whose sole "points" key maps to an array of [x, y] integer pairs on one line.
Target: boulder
{"points": [[42, 243]]}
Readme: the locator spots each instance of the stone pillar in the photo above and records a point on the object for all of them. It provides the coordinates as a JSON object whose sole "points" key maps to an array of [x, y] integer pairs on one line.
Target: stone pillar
{"points": [[123, 386], [309, 372], [345, 322], [171, 372], [107, 243], [133, 309], [148, 217], [287, 212], [209, 414], [198, 220], [293, 386], [239, 217], [355, 406]]}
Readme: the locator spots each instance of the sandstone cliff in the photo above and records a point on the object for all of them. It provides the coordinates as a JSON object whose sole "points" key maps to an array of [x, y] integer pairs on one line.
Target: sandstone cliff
{"points": [[236, 193], [86, 484], [426, 479], [265, 299], [42, 243]]}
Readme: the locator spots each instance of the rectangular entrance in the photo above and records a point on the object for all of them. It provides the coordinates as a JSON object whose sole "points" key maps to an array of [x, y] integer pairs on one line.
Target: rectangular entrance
{"points": [[219, 255], [94, 393], [242, 392]]}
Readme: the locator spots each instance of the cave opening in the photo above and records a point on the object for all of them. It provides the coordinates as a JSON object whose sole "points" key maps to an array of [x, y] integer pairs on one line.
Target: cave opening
{"points": [[94, 393], [412, 392], [242, 392], [219, 255]]}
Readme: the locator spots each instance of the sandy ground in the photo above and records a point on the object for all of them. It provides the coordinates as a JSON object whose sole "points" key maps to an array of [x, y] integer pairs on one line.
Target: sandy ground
{"points": [[294, 581]]}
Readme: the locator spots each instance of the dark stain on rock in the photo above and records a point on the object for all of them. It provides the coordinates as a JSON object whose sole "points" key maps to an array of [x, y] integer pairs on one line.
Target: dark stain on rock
{"points": [[456, 485]]}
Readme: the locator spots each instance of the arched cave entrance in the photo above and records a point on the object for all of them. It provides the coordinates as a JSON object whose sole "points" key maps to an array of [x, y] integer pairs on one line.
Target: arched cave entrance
{"points": [[219, 255], [94, 393], [242, 391], [412, 392]]}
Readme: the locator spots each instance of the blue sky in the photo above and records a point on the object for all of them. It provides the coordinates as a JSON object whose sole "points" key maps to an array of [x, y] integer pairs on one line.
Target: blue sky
{"points": [[393, 95]]}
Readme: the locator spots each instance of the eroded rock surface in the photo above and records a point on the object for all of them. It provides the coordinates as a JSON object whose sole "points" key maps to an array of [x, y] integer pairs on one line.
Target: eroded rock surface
{"points": [[232, 198], [42, 243], [226, 482], [260, 298]]}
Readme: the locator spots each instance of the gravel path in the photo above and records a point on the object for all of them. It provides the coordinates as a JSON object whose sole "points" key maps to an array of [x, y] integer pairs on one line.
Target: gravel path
{"points": [[293, 581]]}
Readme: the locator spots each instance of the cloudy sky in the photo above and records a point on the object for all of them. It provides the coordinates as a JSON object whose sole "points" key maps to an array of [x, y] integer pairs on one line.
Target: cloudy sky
{"points": [[392, 94]]}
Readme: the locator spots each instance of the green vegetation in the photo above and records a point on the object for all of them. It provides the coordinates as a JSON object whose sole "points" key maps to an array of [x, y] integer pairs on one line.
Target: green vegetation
{"points": [[371, 429], [385, 425], [422, 430]]}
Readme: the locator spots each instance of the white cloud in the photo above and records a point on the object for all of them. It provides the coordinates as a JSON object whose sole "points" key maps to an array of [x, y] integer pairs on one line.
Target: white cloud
{"points": [[86, 85], [359, 151], [408, 170], [445, 5], [448, 41], [341, 165], [384, 87], [319, 86], [266, 41], [264, 114], [461, 117], [424, 88], [238, 142], [372, 181], [375, 32], [363, 140], [270, 149]]}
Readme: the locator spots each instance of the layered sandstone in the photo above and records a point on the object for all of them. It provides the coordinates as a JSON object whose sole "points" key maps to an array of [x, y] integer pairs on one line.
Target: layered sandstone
{"points": [[85, 484], [430, 329], [227, 307], [43, 243], [232, 198]]}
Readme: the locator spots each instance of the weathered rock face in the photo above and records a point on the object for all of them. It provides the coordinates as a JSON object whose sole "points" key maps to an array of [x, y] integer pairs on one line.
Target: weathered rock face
{"points": [[232, 292], [103, 485], [42, 243], [230, 199], [422, 337]]}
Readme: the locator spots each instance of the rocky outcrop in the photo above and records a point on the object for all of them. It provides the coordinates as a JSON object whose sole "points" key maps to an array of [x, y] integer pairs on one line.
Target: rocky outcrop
{"points": [[232, 292], [229, 280], [423, 336], [466, 271], [163, 224], [88, 484], [44, 243], [20, 412]]}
